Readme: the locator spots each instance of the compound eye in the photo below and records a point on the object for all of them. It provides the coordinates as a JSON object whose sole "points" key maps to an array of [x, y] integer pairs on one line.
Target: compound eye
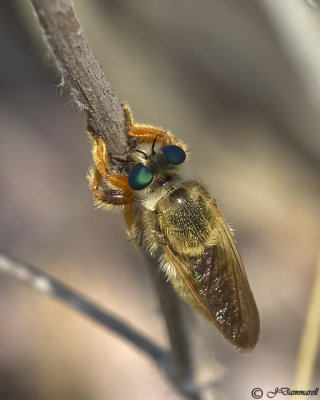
{"points": [[140, 177], [174, 154]]}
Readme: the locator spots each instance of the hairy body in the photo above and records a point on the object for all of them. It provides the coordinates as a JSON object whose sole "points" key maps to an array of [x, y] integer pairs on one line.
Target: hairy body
{"points": [[178, 221]]}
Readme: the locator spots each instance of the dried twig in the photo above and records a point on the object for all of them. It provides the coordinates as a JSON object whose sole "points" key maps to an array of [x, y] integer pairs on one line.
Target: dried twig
{"points": [[80, 69]]}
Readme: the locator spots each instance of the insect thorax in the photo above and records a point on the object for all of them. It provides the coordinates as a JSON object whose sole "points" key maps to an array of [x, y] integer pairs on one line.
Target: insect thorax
{"points": [[182, 215]]}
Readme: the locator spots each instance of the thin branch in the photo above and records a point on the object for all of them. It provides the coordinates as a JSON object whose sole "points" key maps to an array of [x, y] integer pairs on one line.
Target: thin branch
{"points": [[80, 69], [181, 378], [43, 282]]}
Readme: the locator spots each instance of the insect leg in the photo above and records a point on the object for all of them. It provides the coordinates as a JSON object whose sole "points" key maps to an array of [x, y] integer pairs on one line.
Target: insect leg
{"points": [[135, 225], [147, 133], [108, 196], [101, 160]]}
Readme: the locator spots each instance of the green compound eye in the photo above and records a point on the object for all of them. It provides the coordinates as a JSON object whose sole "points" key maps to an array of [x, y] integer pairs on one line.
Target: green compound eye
{"points": [[140, 177], [174, 154]]}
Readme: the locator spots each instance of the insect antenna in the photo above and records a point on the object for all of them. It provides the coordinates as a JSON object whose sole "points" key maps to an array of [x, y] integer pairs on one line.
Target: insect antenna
{"points": [[142, 152], [153, 145]]}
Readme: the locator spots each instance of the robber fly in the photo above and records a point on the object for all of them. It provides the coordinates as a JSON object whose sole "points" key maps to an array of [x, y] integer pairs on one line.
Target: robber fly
{"points": [[179, 219]]}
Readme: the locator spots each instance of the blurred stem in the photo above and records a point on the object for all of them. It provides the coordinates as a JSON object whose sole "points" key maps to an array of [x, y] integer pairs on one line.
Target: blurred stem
{"points": [[171, 305], [43, 282], [310, 339]]}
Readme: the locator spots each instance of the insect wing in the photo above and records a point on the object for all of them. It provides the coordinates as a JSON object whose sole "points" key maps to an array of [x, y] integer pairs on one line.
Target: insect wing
{"points": [[219, 288], [223, 286]]}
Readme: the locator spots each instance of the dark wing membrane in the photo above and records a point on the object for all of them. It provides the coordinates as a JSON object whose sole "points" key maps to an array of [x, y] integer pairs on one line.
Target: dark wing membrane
{"points": [[219, 288], [223, 286]]}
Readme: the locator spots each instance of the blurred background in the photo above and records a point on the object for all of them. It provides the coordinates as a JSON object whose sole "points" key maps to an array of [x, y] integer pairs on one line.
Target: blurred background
{"points": [[239, 81]]}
